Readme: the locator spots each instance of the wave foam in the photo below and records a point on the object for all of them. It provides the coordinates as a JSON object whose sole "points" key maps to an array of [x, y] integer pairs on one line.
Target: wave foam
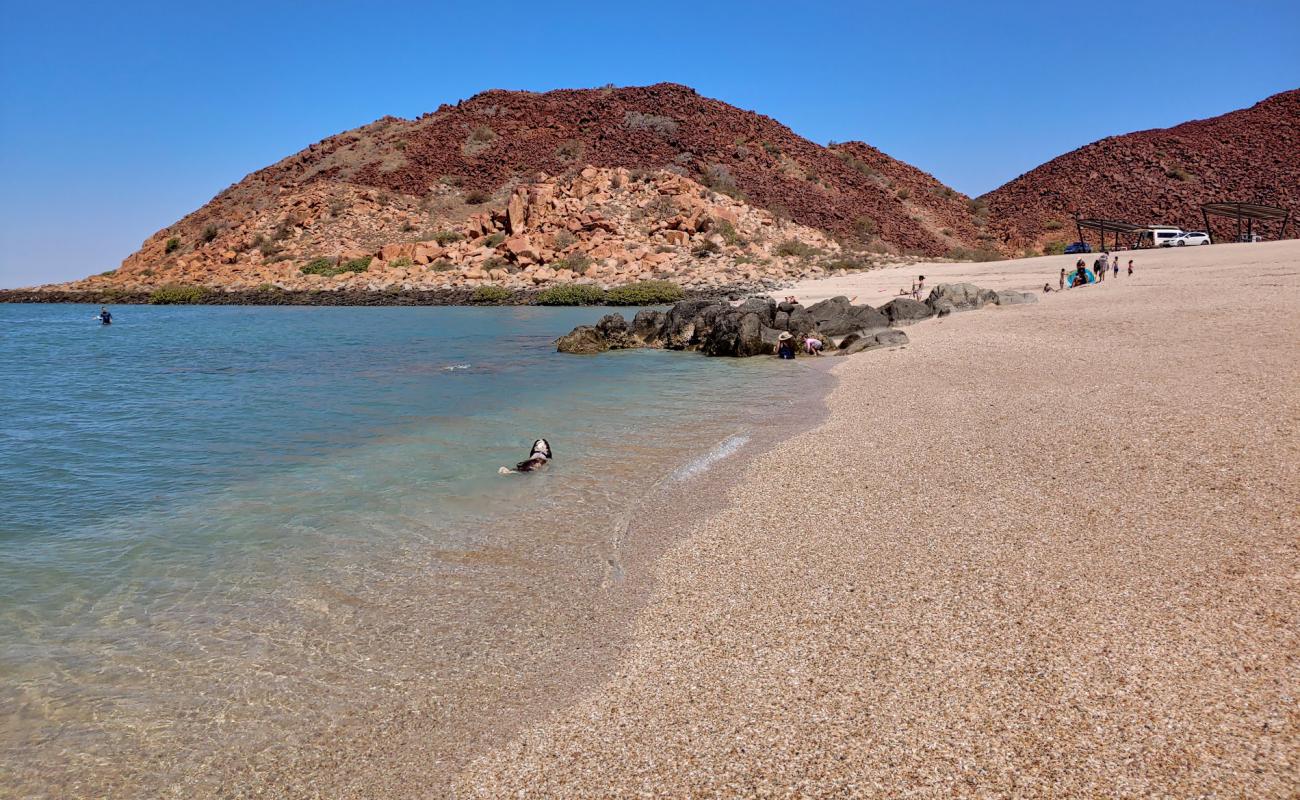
{"points": [[725, 448]]}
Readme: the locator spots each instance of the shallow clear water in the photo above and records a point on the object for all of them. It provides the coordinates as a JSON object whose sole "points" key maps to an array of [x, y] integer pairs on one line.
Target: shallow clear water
{"points": [[217, 523]]}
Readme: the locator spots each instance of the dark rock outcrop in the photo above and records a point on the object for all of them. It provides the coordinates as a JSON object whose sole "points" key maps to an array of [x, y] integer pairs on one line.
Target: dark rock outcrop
{"points": [[905, 311], [1013, 298], [948, 297], [889, 337], [753, 328], [838, 317]]}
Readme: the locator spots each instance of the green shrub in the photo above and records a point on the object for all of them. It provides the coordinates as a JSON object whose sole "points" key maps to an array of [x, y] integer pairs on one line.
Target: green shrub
{"points": [[571, 294], [794, 247], [706, 248], [729, 233], [1178, 174], [401, 262], [106, 273], [855, 163], [946, 231], [494, 240], [846, 264], [865, 228], [569, 150], [332, 266], [645, 293], [718, 178], [578, 263], [1054, 248], [210, 233], [320, 266], [564, 240], [178, 294], [1053, 226], [903, 194], [490, 294], [477, 197], [966, 254], [444, 238], [636, 120], [173, 244], [442, 265]]}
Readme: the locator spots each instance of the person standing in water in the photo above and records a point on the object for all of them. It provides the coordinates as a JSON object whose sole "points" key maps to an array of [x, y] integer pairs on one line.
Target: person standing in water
{"points": [[105, 318], [785, 345]]}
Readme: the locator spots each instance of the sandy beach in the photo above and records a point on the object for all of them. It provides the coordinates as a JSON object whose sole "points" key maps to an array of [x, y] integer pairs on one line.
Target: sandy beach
{"points": [[1045, 550]]}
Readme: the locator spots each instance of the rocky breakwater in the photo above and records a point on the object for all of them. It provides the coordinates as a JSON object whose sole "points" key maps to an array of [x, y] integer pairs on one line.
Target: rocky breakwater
{"points": [[753, 327]]}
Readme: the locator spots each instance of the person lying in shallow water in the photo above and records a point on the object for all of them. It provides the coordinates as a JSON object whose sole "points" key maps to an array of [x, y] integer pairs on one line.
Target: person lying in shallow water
{"points": [[539, 457]]}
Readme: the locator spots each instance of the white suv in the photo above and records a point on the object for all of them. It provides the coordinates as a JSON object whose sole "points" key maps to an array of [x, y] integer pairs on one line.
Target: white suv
{"points": [[1192, 237]]}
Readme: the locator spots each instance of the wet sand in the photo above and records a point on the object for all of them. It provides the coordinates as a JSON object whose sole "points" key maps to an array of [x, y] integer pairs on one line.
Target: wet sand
{"points": [[1046, 550]]}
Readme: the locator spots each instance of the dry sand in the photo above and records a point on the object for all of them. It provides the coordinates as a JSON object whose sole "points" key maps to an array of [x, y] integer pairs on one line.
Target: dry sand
{"points": [[1051, 551]]}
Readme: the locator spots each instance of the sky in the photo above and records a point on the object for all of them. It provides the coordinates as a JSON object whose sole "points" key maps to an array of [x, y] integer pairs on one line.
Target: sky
{"points": [[117, 119]]}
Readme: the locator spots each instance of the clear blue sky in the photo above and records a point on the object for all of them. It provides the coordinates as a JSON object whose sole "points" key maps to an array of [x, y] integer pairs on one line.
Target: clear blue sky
{"points": [[116, 119]]}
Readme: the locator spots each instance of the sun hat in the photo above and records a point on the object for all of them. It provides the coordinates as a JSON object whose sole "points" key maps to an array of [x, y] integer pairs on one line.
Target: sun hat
{"points": [[784, 335]]}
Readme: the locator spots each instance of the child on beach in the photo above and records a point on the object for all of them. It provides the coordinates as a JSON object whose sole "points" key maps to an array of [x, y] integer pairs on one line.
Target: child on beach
{"points": [[1062, 278], [918, 287], [1130, 267], [1115, 264], [812, 346]]}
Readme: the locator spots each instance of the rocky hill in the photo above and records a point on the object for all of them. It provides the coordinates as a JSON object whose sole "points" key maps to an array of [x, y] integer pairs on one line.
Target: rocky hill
{"points": [[524, 190], [399, 183], [1156, 176]]}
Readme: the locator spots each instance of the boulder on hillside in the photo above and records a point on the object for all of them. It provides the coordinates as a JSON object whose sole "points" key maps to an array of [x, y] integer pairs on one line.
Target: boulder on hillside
{"points": [[905, 311], [960, 296]]}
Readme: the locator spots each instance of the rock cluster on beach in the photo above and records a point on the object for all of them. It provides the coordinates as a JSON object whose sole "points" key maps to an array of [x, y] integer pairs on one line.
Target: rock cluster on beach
{"points": [[753, 327]]}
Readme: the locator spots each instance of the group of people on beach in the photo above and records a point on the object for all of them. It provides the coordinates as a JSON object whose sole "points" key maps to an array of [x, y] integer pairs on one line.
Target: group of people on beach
{"points": [[1079, 277]]}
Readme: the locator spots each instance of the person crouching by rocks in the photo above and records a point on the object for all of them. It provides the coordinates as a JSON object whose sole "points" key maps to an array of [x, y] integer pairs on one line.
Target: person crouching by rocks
{"points": [[812, 346], [785, 345], [539, 457]]}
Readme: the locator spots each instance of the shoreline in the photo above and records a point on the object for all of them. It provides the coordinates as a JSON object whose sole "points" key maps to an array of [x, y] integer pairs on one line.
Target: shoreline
{"points": [[283, 297], [952, 613]]}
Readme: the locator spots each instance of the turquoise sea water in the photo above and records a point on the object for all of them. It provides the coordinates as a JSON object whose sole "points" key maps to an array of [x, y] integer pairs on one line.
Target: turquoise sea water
{"points": [[197, 503]]}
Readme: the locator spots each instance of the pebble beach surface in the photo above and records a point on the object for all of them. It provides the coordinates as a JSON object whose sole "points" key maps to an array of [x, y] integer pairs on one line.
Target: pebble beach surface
{"points": [[1045, 550]]}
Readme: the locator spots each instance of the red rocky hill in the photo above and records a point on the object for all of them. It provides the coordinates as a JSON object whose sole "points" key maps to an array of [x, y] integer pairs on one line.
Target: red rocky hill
{"points": [[1158, 176], [399, 181]]}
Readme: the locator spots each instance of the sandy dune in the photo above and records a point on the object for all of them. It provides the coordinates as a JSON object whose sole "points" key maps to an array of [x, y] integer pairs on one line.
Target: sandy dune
{"points": [[1053, 551]]}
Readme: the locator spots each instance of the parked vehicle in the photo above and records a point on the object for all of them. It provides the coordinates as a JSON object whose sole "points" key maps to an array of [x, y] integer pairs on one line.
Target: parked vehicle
{"points": [[1249, 237], [1191, 237], [1158, 236], [1079, 247]]}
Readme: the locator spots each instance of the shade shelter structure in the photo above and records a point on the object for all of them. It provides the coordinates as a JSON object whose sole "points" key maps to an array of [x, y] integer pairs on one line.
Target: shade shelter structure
{"points": [[1105, 226], [1247, 213]]}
